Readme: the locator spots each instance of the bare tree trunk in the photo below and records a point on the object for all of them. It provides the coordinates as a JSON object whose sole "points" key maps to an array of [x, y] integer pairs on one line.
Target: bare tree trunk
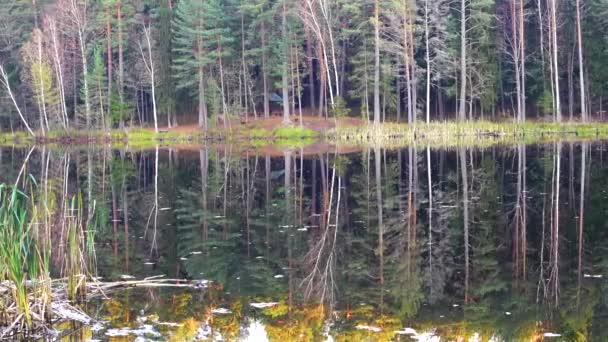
{"points": [[463, 61], [265, 73], [110, 63], [85, 76], [243, 67], [570, 73], [121, 72], [44, 121], [581, 69], [553, 27], [59, 73], [298, 85], [323, 80], [285, 86], [311, 71], [398, 88], [202, 103], [376, 63], [428, 68], [222, 86], [149, 64], [522, 54], [7, 86]]}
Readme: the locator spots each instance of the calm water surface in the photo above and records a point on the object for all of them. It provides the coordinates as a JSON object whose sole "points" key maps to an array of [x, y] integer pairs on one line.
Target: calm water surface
{"points": [[502, 243]]}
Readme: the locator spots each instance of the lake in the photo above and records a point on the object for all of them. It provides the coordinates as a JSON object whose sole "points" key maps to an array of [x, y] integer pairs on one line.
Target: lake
{"points": [[502, 242]]}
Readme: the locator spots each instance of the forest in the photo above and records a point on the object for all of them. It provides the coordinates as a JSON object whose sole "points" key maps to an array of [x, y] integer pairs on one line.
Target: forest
{"points": [[70, 65]]}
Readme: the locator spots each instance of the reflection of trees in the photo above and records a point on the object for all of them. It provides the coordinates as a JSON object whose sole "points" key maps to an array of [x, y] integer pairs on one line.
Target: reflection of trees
{"points": [[370, 239], [486, 216], [219, 247]]}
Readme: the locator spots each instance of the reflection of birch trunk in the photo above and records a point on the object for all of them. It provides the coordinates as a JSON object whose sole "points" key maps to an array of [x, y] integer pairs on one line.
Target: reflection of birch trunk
{"points": [[430, 212], [554, 276], [204, 161], [465, 202], [115, 220], [377, 164], [89, 184], [155, 195], [520, 238], [321, 256], [268, 170], [154, 212], [541, 273], [225, 187], [411, 205], [125, 215], [581, 215], [288, 204]]}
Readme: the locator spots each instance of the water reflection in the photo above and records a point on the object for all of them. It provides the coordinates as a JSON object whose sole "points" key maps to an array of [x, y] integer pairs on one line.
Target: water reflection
{"points": [[505, 241]]}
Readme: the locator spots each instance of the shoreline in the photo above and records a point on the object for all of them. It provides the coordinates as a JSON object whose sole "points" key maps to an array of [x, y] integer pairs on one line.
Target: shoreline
{"points": [[394, 135]]}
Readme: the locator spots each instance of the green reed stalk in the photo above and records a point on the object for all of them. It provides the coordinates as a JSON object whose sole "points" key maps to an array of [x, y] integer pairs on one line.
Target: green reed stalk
{"points": [[19, 257]]}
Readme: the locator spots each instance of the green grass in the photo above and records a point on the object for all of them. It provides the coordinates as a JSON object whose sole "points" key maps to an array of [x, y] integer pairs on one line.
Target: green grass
{"points": [[294, 132], [145, 138]]}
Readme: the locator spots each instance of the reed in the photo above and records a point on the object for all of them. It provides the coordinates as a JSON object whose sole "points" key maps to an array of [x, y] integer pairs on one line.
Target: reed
{"points": [[28, 294], [23, 268], [478, 133]]}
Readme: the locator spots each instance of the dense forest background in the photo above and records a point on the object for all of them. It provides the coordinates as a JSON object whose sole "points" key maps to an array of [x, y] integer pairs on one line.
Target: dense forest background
{"points": [[100, 64]]}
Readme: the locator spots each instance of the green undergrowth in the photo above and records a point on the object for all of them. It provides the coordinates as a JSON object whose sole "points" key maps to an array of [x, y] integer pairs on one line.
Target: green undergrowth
{"points": [[478, 133]]}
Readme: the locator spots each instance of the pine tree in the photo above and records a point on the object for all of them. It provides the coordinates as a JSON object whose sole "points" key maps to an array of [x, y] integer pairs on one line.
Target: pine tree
{"points": [[99, 90], [198, 42], [166, 94]]}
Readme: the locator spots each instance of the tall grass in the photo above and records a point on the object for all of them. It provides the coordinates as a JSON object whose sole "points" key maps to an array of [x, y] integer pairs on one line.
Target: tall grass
{"points": [[23, 268], [76, 251], [26, 225]]}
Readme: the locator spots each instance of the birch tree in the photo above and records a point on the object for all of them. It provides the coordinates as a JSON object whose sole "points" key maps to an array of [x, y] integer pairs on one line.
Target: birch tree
{"points": [[463, 60], [581, 68], [7, 86], [554, 60], [76, 17], [148, 60]]}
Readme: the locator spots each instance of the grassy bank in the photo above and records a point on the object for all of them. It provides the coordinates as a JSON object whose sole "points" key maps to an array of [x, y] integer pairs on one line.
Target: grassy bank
{"points": [[137, 137], [465, 133], [477, 133]]}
